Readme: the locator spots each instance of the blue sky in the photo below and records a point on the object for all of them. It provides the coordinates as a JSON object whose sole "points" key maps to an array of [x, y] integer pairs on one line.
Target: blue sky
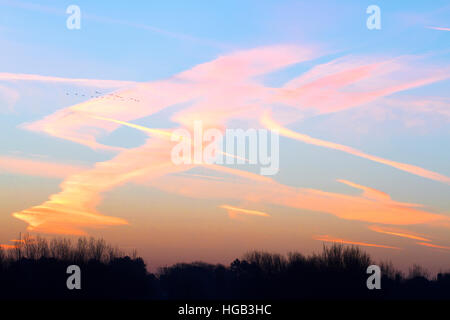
{"points": [[113, 41]]}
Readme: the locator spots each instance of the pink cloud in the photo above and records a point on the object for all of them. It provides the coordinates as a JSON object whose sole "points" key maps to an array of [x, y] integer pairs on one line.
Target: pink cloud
{"points": [[271, 124], [218, 92], [234, 212], [4, 76]]}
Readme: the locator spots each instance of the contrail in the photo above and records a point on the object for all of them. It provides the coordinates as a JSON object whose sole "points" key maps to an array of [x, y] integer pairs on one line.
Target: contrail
{"points": [[80, 81], [269, 123], [56, 11], [433, 245], [438, 28], [398, 233], [165, 133], [327, 238], [233, 210]]}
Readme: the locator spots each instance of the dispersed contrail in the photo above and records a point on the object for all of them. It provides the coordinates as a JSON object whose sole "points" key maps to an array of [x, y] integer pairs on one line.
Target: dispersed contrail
{"points": [[108, 20], [271, 124], [233, 210], [433, 245], [327, 238], [216, 91], [165, 133], [80, 81]]}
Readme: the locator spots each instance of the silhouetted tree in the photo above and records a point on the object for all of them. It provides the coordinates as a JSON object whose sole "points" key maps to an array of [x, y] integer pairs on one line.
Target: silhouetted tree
{"points": [[35, 268]]}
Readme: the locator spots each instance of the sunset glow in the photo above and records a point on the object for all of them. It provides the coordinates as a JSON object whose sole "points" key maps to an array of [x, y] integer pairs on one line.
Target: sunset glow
{"points": [[364, 244], [357, 125]]}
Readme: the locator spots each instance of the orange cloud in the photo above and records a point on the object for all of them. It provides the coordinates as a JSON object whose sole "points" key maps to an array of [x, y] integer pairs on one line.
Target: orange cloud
{"points": [[433, 245], [327, 238], [4, 76], [164, 133], [234, 211], [38, 168], [73, 209], [398, 233], [368, 192], [202, 176], [8, 97], [18, 243]]}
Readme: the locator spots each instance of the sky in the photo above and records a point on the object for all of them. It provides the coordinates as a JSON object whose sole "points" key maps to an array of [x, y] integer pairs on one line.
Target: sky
{"points": [[87, 117]]}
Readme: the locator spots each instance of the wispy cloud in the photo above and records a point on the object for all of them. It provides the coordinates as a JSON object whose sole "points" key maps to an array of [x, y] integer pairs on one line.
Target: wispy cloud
{"points": [[108, 20], [328, 238], [398, 233], [234, 211], [253, 188], [433, 245], [8, 98], [73, 209], [269, 123], [7, 246], [38, 168], [218, 92], [351, 81], [438, 28], [371, 194], [77, 81]]}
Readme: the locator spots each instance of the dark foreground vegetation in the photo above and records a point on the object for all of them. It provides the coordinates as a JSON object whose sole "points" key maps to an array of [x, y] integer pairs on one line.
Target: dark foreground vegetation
{"points": [[36, 269]]}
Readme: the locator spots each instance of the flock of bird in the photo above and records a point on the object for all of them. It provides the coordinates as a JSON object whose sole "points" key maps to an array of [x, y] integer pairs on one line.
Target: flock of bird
{"points": [[99, 95]]}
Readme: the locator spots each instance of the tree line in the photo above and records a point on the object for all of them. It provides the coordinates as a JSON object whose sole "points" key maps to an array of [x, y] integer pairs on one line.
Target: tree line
{"points": [[35, 268]]}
